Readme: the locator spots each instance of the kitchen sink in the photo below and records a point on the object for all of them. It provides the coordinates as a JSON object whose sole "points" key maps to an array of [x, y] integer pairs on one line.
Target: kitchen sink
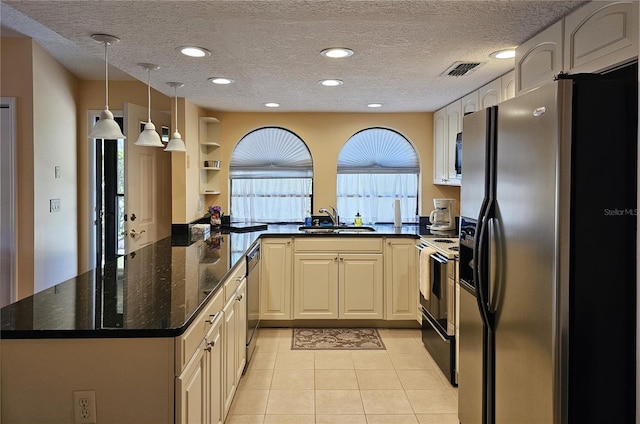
{"points": [[331, 229]]}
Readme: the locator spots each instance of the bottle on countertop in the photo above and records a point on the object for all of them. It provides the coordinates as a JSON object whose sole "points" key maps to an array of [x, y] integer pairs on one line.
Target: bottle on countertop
{"points": [[358, 220], [307, 219]]}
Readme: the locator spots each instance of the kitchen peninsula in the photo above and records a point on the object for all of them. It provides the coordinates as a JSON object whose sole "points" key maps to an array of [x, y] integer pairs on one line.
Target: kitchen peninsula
{"points": [[143, 332]]}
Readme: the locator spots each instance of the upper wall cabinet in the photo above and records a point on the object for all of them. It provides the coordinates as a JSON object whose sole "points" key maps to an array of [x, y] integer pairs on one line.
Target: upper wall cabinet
{"points": [[508, 85], [447, 123], [539, 59], [490, 94], [600, 35], [470, 103]]}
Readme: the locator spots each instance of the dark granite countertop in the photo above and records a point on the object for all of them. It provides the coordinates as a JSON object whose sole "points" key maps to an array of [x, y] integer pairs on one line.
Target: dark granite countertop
{"points": [[155, 291]]}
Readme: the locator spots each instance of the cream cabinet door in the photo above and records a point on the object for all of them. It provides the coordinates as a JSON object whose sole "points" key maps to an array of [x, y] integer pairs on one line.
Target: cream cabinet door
{"points": [[275, 284], [234, 336], [454, 126], [230, 334], [600, 35], [447, 123], [215, 374], [192, 390], [508, 84], [470, 103], [440, 155], [490, 94], [401, 279], [360, 291], [539, 59], [241, 325], [315, 286]]}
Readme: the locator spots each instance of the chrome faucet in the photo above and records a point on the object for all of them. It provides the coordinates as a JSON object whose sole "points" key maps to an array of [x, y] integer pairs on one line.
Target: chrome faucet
{"points": [[333, 214]]}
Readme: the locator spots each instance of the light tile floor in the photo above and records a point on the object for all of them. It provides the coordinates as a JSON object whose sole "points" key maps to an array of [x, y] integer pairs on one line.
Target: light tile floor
{"points": [[400, 385]]}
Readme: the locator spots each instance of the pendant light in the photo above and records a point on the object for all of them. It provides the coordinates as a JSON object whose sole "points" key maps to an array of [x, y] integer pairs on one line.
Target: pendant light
{"points": [[149, 137], [106, 127], [176, 144]]}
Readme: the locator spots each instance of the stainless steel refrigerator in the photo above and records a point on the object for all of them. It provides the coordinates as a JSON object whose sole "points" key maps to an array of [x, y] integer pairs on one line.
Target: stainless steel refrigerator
{"points": [[548, 255]]}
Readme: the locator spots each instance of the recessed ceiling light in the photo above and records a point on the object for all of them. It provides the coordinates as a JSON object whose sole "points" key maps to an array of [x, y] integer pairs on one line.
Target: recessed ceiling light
{"points": [[272, 104], [193, 51], [221, 80], [374, 105], [331, 82], [503, 54], [337, 52]]}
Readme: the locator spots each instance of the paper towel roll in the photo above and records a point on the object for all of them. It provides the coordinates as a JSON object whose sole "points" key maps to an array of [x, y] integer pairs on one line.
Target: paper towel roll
{"points": [[397, 218]]}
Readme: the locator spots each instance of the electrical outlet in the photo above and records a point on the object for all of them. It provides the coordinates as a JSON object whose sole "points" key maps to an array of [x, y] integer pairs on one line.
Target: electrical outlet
{"points": [[84, 407], [54, 205]]}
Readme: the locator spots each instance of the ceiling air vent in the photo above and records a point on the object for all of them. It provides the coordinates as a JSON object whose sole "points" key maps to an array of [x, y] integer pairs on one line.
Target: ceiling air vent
{"points": [[459, 69]]}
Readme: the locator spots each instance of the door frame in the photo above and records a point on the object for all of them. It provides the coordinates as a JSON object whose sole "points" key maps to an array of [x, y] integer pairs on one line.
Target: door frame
{"points": [[8, 287], [92, 201]]}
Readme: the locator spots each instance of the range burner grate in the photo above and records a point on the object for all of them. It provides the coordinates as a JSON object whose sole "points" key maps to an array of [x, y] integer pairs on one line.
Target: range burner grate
{"points": [[443, 241]]}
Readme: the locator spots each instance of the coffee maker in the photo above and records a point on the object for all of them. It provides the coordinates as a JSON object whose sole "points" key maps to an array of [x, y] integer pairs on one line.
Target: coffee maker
{"points": [[441, 218]]}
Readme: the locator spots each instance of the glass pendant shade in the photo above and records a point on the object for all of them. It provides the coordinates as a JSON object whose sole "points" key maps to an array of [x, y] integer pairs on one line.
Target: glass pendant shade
{"points": [[149, 137], [106, 128], [176, 144]]}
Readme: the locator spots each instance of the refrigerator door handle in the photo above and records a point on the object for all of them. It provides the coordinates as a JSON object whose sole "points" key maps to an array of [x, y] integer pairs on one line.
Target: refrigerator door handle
{"points": [[477, 259], [482, 274]]}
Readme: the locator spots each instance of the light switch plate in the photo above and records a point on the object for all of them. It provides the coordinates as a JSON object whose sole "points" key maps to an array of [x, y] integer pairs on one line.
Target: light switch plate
{"points": [[54, 205]]}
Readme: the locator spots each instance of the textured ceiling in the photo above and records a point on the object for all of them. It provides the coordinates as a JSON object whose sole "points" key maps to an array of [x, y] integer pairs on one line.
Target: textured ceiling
{"points": [[272, 48]]}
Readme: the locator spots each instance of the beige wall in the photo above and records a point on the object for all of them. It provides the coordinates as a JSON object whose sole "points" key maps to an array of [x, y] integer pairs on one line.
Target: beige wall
{"points": [[46, 137], [325, 134], [54, 145]]}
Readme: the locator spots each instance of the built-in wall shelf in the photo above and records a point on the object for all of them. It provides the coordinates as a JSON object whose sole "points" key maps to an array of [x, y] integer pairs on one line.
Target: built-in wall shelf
{"points": [[209, 141]]}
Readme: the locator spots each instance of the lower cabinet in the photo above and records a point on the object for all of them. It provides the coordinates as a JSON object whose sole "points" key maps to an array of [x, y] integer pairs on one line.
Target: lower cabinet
{"points": [[215, 363], [234, 336], [208, 379], [360, 286], [338, 286], [275, 284], [315, 288], [198, 387], [401, 279]]}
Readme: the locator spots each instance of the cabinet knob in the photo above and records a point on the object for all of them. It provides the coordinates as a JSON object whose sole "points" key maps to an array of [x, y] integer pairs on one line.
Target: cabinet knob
{"points": [[239, 298]]}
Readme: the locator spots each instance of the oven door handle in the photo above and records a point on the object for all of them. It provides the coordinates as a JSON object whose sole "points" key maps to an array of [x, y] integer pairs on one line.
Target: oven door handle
{"points": [[436, 257], [426, 317]]}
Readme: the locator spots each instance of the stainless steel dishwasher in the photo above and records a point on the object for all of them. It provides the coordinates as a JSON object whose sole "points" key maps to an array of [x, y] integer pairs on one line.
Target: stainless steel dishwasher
{"points": [[253, 298]]}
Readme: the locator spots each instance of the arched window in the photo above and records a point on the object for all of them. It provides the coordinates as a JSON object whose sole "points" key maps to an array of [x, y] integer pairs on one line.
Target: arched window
{"points": [[271, 174], [375, 167]]}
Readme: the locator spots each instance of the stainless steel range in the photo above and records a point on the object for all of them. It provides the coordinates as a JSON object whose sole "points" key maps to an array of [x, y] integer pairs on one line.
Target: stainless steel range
{"points": [[438, 300]]}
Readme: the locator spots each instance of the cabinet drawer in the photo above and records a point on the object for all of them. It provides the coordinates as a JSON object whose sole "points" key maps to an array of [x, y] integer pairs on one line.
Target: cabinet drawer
{"points": [[233, 281], [338, 244], [188, 343]]}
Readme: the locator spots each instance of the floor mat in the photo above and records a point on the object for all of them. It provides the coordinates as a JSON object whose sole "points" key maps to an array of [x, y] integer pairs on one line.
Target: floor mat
{"points": [[336, 339]]}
